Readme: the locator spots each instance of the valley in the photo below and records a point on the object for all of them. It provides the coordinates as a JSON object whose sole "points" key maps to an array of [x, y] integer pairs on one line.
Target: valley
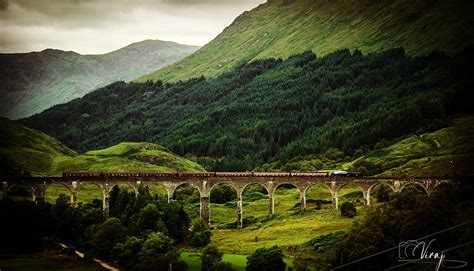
{"points": [[306, 135]]}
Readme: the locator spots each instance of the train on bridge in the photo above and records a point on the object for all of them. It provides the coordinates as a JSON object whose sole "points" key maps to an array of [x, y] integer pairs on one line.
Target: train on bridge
{"points": [[216, 174]]}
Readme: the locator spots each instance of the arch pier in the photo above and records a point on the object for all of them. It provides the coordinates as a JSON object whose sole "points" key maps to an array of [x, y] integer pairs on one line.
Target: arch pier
{"points": [[204, 182]]}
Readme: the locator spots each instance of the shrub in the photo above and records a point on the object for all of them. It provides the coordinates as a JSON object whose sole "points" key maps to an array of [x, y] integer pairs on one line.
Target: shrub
{"points": [[266, 259], [200, 234], [348, 209]]}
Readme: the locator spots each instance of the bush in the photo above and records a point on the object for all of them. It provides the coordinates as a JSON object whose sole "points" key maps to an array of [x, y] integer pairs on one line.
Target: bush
{"points": [[105, 236], [200, 234], [210, 256], [158, 253], [348, 209], [266, 259]]}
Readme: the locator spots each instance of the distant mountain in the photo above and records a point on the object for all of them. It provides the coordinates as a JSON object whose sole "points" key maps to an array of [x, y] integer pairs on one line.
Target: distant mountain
{"points": [[25, 151], [280, 28], [33, 82]]}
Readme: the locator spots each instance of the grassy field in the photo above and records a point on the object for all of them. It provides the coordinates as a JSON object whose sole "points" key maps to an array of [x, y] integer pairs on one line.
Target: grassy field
{"points": [[283, 28], [45, 261]]}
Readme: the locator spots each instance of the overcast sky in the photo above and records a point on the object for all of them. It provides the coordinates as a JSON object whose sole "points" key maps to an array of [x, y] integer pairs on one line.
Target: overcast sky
{"points": [[99, 26]]}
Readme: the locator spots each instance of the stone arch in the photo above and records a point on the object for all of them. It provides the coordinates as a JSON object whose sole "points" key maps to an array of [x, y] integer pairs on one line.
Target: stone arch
{"points": [[193, 185], [315, 184], [291, 205], [82, 191], [381, 183], [361, 188], [285, 183], [19, 185], [69, 191], [439, 184], [229, 183], [415, 184], [224, 213], [157, 188], [252, 183], [128, 184], [378, 184]]}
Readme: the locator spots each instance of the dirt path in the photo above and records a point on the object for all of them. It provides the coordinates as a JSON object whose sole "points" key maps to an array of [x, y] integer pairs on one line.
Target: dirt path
{"points": [[102, 263]]}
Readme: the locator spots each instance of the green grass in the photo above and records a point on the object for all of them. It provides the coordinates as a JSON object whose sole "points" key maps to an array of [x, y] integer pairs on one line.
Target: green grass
{"points": [[44, 262], [286, 228], [25, 149], [276, 29], [445, 152], [239, 262]]}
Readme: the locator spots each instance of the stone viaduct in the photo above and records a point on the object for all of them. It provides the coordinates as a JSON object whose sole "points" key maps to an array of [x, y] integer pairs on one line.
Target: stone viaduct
{"points": [[205, 182]]}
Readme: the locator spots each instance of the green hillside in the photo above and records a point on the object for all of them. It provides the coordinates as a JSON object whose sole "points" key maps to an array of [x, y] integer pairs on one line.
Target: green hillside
{"points": [[33, 82], [25, 151], [281, 28], [445, 152], [272, 111]]}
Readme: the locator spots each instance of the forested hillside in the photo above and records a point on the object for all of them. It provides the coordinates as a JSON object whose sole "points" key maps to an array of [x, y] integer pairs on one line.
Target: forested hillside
{"points": [[280, 28], [274, 110], [33, 82]]}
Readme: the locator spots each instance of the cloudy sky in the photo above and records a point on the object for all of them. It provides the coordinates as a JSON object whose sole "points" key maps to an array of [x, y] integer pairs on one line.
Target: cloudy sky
{"points": [[99, 26]]}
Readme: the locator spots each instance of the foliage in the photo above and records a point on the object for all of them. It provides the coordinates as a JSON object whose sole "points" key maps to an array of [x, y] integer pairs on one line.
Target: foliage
{"points": [[126, 253], [272, 111], [158, 254], [327, 241], [348, 209], [409, 215], [211, 260], [200, 234], [105, 236], [266, 259]]}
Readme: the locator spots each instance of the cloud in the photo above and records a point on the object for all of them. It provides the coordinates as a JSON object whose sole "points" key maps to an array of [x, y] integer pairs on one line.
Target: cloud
{"points": [[99, 26], [4, 5]]}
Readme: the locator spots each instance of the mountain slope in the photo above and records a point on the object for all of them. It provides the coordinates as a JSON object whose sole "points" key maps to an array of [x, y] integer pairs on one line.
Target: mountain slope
{"points": [[24, 151], [445, 152], [281, 28], [33, 82], [272, 110]]}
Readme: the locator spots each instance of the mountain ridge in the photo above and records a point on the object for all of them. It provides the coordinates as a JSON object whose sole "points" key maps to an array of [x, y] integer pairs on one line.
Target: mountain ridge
{"points": [[32, 82], [283, 28]]}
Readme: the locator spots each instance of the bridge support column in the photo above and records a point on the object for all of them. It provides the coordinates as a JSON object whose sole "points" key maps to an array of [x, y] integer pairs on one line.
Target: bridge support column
{"points": [[271, 204], [38, 193], [105, 205], [4, 189], [239, 211], [335, 200], [302, 201], [74, 194], [139, 183], [205, 211], [366, 194], [73, 198]]}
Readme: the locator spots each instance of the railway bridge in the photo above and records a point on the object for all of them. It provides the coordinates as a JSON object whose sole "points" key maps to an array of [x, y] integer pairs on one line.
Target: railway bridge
{"points": [[205, 182]]}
